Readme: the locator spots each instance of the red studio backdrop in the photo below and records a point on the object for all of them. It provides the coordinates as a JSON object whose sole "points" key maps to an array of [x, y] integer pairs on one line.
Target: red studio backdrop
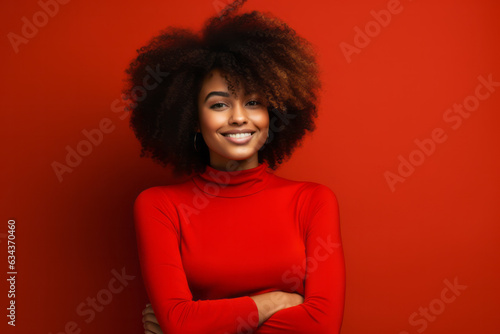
{"points": [[407, 138]]}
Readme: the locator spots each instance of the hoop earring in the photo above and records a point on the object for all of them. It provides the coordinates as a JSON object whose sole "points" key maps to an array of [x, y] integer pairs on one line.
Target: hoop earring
{"points": [[195, 148]]}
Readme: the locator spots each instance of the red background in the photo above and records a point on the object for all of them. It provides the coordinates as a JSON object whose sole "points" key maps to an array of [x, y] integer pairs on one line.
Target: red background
{"points": [[441, 223]]}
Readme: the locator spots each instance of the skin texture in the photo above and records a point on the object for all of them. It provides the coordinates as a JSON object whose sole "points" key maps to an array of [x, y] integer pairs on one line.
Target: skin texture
{"points": [[219, 114]]}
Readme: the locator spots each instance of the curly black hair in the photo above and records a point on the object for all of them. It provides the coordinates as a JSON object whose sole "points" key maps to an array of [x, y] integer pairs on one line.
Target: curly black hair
{"points": [[254, 49]]}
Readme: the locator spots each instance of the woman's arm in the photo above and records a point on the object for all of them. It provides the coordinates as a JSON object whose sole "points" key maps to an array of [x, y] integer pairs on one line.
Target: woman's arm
{"points": [[323, 307], [165, 280], [267, 303]]}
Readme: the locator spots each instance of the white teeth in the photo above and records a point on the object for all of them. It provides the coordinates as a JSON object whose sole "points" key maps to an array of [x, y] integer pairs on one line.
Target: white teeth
{"points": [[238, 135]]}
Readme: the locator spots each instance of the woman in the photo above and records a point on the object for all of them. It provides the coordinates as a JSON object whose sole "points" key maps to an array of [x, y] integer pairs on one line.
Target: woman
{"points": [[234, 249]]}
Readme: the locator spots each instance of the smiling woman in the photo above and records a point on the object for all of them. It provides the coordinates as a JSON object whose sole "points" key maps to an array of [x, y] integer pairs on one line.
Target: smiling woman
{"points": [[235, 249]]}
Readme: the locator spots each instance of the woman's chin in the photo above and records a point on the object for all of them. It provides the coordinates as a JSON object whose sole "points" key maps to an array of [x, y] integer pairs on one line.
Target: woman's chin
{"points": [[238, 154]]}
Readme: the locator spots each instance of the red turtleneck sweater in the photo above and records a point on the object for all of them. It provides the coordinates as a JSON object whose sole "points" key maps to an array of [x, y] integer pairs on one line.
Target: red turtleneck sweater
{"points": [[209, 243]]}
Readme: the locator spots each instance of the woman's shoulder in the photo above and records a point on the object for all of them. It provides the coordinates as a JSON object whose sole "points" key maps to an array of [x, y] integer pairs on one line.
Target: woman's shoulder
{"points": [[150, 196], [315, 189], [165, 191], [161, 197]]}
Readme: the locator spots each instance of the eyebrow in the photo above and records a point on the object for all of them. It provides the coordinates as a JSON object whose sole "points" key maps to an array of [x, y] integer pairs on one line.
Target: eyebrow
{"points": [[225, 94]]}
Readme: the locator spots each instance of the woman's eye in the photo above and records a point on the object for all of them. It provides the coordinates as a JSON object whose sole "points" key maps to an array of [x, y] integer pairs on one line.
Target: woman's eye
{"points": [[220, 104], [256, 102], [217, 105]]}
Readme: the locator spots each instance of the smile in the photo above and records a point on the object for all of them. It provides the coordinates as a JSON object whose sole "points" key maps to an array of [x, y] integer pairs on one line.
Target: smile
{"points": [[239, 138]]}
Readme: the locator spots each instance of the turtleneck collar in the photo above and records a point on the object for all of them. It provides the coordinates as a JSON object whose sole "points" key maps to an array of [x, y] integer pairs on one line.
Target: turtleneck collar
{"points": [[235, 183]]}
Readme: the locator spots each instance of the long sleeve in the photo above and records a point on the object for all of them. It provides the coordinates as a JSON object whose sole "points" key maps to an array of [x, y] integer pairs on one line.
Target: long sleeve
{"points": [[165, 280], [323, 307]]}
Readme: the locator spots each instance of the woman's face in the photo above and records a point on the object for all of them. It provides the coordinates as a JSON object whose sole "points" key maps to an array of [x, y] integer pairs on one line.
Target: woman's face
{"points": [[221, 113]]}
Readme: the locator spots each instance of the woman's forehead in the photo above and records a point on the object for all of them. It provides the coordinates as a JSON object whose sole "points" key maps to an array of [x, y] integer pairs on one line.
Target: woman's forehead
{"points": [[214, 80]]}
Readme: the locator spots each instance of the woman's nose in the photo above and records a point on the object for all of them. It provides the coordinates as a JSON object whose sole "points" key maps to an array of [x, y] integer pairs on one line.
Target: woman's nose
{"points": [[238, 114]]}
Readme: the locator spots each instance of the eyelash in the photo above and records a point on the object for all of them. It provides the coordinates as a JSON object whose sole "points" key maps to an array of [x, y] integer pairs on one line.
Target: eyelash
{"points": [[212, 106]]}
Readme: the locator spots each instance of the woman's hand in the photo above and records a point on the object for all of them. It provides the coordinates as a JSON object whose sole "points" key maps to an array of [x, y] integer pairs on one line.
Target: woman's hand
{"points": [[151, 325], [269, 303], [293, 299]]}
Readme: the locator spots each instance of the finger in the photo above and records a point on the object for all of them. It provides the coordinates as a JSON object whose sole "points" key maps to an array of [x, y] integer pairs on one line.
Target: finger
{"points": [[150, 318], [148, 309], [155, 328]]}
